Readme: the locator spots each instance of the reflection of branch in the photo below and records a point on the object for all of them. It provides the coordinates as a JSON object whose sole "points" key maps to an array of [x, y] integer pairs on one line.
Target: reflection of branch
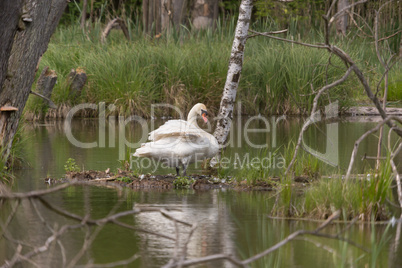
{"points": [[44, 222], [396, 173], [313, 113], [289, 238], [43, 248], [293, 236], [356, 146], [112, 218], [112, 264]]}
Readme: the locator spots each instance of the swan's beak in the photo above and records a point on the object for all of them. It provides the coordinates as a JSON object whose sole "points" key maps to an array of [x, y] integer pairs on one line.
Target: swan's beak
{"points": [[204, 116]]}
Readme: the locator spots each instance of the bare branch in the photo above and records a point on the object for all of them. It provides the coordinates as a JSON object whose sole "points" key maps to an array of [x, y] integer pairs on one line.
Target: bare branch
{"points": [[310, 120], [5, 194], [387, 69], [356, 146], [170, 217], [274, 32], [331, 20], [364, 21], [291, 237], [287, 40], [389, 36]]}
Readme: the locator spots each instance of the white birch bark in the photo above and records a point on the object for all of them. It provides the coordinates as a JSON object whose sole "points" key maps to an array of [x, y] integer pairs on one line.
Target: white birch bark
{"points": [[225, 116]]}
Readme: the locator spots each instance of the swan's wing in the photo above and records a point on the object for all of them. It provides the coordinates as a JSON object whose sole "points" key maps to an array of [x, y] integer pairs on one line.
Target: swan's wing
{"points": [[176, 128]]}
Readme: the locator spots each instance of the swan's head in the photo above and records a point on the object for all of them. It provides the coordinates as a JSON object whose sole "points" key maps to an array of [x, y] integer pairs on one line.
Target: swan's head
{"points": [[198, 109]]}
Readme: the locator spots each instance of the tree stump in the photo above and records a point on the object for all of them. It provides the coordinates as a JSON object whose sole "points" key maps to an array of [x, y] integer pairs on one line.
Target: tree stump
{"points": [[76, 79], [46, 82]]}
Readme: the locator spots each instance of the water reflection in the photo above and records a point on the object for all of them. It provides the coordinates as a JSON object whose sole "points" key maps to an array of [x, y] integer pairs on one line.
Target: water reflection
{"points": [[47, 148], [228, 222]]}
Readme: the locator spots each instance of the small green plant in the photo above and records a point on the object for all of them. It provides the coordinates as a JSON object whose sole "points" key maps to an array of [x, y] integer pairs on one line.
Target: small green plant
{"points": [[182, 182], [71, 166], [5, 174], [124, 179]]}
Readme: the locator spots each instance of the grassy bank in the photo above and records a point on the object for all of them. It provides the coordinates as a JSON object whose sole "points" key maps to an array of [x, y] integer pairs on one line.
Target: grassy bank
{"points": [[190, 67]]}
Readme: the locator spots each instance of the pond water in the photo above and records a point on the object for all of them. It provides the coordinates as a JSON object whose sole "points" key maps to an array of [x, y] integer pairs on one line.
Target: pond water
{"points": [[230, 222]]}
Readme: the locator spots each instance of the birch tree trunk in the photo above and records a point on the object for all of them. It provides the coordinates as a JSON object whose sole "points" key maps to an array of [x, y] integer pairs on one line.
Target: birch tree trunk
{"points": [[28, 33], [225, 116]]}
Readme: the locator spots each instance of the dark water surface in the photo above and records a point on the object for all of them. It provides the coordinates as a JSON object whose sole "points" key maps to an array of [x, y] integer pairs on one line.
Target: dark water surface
{"points": [[228, 221]]}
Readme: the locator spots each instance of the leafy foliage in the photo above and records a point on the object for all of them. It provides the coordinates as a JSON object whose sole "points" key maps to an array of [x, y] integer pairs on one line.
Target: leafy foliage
{"points": [[71, 166]]}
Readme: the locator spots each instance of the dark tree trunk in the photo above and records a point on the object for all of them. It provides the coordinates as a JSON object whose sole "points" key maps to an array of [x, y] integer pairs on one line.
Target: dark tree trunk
{"points": [[204, 13], [342, 20], [26, 32], [161, 15], [10, 13], [84, 14]]}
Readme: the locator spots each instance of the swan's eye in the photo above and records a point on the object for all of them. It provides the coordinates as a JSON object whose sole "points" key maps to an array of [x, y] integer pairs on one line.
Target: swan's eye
{"points": [[203, 112]]}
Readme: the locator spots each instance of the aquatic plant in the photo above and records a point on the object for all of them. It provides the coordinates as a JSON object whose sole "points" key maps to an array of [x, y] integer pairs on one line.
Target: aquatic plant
{"points": [[183, 182], [124, 179], [71, 166]]}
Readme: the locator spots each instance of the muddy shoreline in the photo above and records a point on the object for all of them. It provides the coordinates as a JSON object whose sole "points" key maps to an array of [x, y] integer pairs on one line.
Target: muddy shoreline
{"points": [[126, 179], [62, 111]]}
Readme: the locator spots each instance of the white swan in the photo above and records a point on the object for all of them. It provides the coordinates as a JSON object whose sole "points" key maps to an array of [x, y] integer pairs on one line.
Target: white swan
{"points": [[180, 142]]}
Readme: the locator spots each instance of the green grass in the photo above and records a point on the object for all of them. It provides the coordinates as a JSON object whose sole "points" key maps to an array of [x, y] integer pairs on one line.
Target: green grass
{"points": [[188, 67], [364, 198]]}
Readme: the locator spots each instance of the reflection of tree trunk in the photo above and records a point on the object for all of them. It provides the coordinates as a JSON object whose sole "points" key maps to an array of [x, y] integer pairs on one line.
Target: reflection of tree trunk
{"points": [[342, 20], [25, 41], [384, 106], [204, 13]]}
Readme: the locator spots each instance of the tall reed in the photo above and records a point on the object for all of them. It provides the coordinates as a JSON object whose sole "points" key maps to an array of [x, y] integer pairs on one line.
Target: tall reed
{"points": [[184, 67]]}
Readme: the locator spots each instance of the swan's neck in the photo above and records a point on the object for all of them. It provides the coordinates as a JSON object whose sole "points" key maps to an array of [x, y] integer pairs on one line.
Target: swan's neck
{"points": [[192, 117]]}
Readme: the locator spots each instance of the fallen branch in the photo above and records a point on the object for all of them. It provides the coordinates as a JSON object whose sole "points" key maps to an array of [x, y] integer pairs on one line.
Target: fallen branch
{"points": [[113, 23]]}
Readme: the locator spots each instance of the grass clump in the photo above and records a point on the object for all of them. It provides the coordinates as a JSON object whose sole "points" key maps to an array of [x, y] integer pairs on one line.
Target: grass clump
{"points": [[124, 179], [183, 182], [178, 68], [363, 197]]}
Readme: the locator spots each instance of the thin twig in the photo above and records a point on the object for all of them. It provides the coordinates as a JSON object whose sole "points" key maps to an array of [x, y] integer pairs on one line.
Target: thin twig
{"points": [[289, 41], [274, 32]]}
